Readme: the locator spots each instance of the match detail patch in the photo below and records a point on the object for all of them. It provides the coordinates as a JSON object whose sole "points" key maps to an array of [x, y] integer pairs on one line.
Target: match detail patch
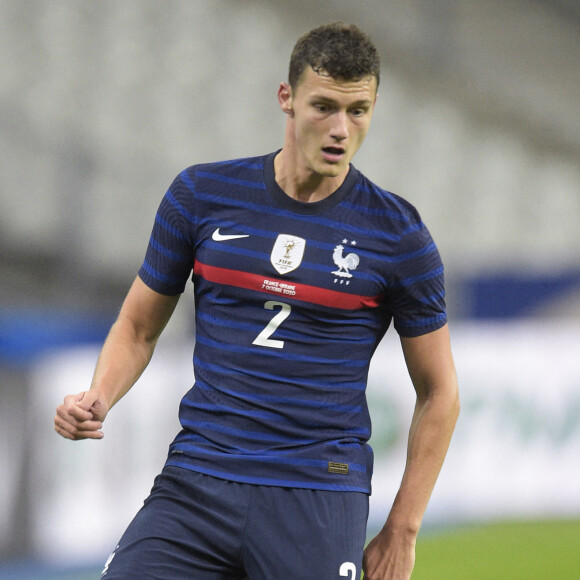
{"points": [[341, 468]]}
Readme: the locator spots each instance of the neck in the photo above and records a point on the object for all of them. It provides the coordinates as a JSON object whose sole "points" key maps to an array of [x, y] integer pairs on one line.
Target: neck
{"points": [[303, 184]]}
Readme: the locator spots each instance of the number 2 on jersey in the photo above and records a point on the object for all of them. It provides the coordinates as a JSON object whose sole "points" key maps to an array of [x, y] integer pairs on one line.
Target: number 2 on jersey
{"points": [[348, 569], [263, 339]]}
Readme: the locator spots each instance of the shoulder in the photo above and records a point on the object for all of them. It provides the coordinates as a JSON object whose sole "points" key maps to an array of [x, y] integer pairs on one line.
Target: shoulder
{"points": [[382, 202], [398, 219], [210, 177], [229, 167]]}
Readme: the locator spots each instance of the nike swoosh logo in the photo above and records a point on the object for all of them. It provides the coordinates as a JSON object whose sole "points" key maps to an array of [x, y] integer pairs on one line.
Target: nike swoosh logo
{"points": [[217, 237]]}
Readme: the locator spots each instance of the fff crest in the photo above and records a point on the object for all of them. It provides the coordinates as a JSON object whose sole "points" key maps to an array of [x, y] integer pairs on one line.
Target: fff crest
{"points": [[287, 253]]}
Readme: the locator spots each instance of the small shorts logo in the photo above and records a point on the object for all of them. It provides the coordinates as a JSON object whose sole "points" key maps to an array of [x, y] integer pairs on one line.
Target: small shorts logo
{"points": [[108, 563]]}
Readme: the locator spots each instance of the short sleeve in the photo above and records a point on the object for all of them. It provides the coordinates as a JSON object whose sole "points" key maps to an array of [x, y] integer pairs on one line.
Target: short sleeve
{"points": [[418, 291], [170, 254]]}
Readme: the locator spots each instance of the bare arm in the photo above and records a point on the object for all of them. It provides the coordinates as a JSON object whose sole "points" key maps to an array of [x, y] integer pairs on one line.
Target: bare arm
{"points": [[123, 358], [391, 555]]}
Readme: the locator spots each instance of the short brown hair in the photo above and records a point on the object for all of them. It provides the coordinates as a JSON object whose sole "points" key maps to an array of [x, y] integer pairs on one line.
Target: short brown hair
{"points": [[342, 51]]}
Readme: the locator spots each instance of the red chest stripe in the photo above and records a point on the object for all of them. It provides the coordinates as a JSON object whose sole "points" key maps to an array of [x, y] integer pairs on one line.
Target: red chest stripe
{"points": [[284, 289]]}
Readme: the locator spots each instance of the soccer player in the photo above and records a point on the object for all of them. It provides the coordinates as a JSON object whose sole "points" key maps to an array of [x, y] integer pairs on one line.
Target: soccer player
{"points": [[299, 265]]}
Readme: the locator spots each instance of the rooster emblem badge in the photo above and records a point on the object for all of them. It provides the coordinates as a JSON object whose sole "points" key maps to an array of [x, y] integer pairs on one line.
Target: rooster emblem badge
{"points": [[344, 263]]}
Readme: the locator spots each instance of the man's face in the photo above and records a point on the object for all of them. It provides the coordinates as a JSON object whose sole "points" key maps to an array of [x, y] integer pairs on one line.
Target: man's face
{"points": [[330, 119]]}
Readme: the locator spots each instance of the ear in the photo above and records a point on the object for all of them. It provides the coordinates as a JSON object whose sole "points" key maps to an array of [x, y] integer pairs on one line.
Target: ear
{"points": [[285, 98]]}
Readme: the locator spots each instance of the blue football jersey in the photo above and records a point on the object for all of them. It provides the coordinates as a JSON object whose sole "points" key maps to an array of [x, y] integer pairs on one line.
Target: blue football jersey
{"points": [[291, 302]]}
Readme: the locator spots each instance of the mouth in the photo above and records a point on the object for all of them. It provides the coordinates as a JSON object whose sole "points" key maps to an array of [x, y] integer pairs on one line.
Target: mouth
{"points": [[333, 154]]}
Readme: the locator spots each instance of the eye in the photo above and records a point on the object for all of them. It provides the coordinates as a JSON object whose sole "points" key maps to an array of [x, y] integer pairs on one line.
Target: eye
{"points": [[358, 112]]}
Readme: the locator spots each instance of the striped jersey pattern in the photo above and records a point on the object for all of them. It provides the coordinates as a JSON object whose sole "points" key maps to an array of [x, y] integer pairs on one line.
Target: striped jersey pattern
{"points": [[291, 301]]}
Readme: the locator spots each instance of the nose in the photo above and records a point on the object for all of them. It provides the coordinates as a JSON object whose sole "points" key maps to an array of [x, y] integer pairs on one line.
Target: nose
{"points": [[339, 129]]}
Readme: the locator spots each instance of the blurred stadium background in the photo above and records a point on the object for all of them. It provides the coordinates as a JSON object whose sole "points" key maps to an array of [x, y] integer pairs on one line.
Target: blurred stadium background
{"points": [[477, 123]]}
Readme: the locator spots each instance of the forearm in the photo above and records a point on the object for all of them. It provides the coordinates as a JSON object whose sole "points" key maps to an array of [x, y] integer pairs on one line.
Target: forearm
{"points": [[124, 356], [433, 422], [122, 360], [391, 554], [131, 341]]}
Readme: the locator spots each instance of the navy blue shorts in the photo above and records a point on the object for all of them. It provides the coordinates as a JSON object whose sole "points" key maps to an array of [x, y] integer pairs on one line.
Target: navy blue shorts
{"points": [[193, 526]]}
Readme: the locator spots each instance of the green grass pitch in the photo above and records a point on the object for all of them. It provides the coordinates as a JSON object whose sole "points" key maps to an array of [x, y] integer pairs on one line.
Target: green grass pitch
{"points": [[545, 550]]}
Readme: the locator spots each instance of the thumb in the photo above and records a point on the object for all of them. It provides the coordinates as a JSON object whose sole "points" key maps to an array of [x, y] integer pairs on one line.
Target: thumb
{"points": [[87, 399], [92, 402]]}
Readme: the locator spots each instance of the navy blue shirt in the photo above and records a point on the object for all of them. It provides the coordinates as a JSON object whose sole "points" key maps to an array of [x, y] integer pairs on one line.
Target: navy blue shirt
{"points": [[291, 301]]}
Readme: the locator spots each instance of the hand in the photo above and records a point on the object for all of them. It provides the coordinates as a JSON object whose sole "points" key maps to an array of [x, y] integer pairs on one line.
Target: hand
{"points": [[81, 416], [389, 556]]}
